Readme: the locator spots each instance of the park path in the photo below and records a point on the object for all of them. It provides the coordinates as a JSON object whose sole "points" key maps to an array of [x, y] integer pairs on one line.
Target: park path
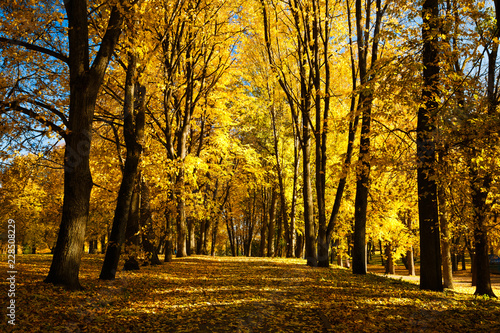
{"points": [[462, 279]]}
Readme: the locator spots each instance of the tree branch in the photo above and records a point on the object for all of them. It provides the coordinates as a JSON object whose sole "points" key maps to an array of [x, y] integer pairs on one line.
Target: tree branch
{"points": [[36, 48], [14, 106]]}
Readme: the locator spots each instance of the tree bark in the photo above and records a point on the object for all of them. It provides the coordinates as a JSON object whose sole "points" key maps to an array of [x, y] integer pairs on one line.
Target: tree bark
{"points": [[231, 234], [215, 232], [264, 227], [430, 261], [84, 85], [191, 244], [146, 223], [389, 263], [272, 223], [481, 180], [181, 215], [445, 241], [365, 108], [292, 232], [132, 241], [133, 133], [481, 259], [168, 236], [411, 262]]}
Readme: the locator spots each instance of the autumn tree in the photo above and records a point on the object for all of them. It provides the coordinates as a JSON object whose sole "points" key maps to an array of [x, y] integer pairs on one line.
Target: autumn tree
{"points": [[133, 115], [430, 263], [367, 76], [85, 78], [192, 36], [480, 167]]}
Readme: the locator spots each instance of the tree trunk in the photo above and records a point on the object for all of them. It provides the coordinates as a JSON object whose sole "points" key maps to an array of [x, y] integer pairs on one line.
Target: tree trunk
{"points": [[321, 66], [202, 236], [445, 240], [481, 259], [132, 241], [168, 237], [93, 246], [299, 250], [430, 261], [481, 180], [191, 244], [146, 223], [381, 252], [181, 215], [292, 232], [231, 234], [310, 230], [133, 132], [84, 85], [215, 231], [411, 261], [283, 218], [364, 108], [389, 264], [263, 229], [272, 223]]}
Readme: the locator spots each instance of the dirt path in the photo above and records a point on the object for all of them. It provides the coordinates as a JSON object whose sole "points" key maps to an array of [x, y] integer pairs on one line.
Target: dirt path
{"points": [[462, 279]]}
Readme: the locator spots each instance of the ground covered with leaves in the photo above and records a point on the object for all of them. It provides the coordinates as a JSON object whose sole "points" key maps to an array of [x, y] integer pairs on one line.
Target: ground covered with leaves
{"points": [[205, 294]]}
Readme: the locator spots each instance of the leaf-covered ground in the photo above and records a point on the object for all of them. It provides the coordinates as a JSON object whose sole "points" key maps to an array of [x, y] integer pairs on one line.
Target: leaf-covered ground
{"points": [[204, 294]]}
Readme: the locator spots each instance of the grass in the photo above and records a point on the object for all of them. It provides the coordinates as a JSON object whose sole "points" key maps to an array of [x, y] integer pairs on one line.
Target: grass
{"points": [[224, 294]]}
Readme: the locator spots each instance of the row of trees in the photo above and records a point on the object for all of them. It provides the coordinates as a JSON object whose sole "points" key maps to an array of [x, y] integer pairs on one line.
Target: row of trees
{"points": [[315, 125]]}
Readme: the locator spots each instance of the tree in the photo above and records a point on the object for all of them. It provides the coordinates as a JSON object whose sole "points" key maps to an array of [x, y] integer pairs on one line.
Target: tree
{"points": [[365, 102], [481, 176], [430, 261], [192, 36], [85, 79], [133, 115]]}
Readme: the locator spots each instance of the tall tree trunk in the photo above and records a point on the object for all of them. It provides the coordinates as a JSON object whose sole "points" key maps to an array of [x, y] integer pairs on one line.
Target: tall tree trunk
{"points": [[204, 249], [320, 61], [481, 260], [272, 223], [169, 236], [263, 228], [310, 230], [324, 236], [411, 261], [299, 250], [292, 232], [84, 85], [445, 240], [365, 108], [230, 234], [201, 237], [430, 261], [481, 180], [191, 244], [133, 131], [146, 223], [283, 218], [181, 215], [215, 232], [132, 231], [389, 263]]}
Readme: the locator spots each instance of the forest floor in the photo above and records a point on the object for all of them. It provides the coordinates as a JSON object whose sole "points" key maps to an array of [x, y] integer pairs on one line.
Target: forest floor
{"points": [[224, 294]]}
